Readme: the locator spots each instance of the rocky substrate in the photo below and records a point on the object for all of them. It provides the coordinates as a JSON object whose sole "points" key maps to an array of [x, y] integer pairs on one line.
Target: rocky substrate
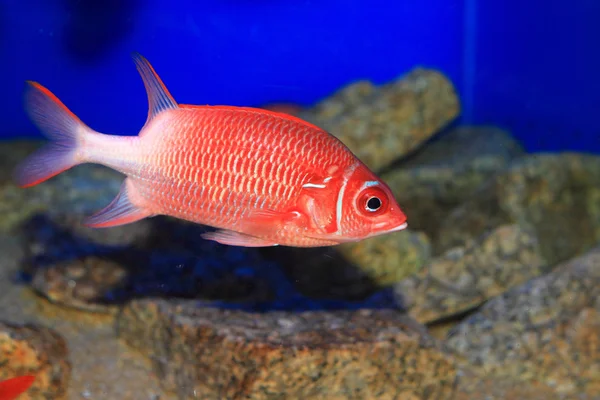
{"points": [[492, 292]]}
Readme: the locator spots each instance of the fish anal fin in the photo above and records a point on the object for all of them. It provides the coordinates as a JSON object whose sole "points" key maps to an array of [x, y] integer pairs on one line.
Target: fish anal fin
{"points": [[120, 211], [159, 98], [233, 238]]}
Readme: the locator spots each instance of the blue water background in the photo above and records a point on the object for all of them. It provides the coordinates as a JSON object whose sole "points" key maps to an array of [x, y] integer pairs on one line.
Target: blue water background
{"points": [[531, 67]]}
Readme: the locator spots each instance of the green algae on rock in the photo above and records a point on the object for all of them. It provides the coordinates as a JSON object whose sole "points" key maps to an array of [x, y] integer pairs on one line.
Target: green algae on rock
{"points": [[81, 283], [447, 172], [216, 353], [476, 387], [387, 259], [79, 192], [354, 270], [465, 277], [546, 330], [383, 123], [556, 194], [79, 273], [35, 350]]}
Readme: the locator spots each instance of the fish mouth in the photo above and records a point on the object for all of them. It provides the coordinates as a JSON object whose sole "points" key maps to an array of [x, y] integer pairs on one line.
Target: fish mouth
{"points": [[396, 229], [399, 227]]}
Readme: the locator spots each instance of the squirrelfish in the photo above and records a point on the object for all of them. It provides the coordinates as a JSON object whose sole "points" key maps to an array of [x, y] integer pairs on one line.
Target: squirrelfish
{"points": [[260, 177]]}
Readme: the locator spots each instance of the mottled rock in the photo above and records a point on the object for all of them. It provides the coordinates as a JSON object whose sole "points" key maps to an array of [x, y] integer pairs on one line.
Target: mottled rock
{"points": [[175, 262], [387, 259], [475, 387], [77, 192], [35, 350], [428, 185], [75, 272], [546, 330], [12, 152], [354, 270], [465, 277], [81, 283], [448, 171], [214, 354], [557, 194], [381, 124]]}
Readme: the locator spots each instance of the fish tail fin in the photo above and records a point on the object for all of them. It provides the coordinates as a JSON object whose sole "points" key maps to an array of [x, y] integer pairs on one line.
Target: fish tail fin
{"points": [[64, 130]]}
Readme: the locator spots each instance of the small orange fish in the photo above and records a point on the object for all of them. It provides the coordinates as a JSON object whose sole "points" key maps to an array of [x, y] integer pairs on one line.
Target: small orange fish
{"points": [[262, 178], [11, 388]]}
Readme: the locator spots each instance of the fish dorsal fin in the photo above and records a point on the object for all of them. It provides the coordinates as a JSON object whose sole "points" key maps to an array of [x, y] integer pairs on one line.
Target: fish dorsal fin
{"points": [[159, 98]]}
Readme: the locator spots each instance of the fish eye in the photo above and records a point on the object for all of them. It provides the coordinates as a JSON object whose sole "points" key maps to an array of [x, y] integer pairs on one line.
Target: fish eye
{"points": [[372, 201], [373, 204]]}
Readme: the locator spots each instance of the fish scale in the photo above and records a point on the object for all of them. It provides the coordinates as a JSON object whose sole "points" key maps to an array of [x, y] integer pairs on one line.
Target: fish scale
{"points": [[260, 177], [264, 178]]}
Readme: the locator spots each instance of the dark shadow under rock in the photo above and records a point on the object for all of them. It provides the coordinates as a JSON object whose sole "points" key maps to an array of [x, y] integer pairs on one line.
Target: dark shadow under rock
{"points": [[353, 270], [168, 259]]}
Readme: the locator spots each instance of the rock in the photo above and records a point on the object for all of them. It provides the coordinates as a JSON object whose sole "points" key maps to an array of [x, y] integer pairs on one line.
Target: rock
{"points": [[80, 191], [12, 152], [557, 194], [546, 330], [387, 259], [465, 277], [35, 350], [75, 272], [83, 283], [175, 262], [428, 185], [382, 124], [354, 271], [448, 171], [485, 388], [197, 350], [215, 353]]}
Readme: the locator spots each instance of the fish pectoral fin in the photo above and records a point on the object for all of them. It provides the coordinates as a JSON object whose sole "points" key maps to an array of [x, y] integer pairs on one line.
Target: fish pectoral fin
{"points": [[264, 222], [159, 98], [233, 238], [119, 212]]}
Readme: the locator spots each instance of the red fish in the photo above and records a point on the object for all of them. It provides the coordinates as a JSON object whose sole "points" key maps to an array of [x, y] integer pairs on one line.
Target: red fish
{"points": [[260, 177], [11, 388]]}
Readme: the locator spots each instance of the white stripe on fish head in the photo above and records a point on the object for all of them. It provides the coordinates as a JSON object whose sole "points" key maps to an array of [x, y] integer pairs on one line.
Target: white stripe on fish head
{"points": [[340, 198], [368, 184]]}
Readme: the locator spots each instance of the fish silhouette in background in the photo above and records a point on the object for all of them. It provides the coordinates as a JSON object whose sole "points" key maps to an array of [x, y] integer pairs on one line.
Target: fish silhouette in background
{"points": [[262, 178]]}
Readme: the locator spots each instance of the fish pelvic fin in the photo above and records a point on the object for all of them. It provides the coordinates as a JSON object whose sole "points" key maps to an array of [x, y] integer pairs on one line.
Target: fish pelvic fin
{"points": [[159, 98], [120, 211], [232, 238], [64, 130]]}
